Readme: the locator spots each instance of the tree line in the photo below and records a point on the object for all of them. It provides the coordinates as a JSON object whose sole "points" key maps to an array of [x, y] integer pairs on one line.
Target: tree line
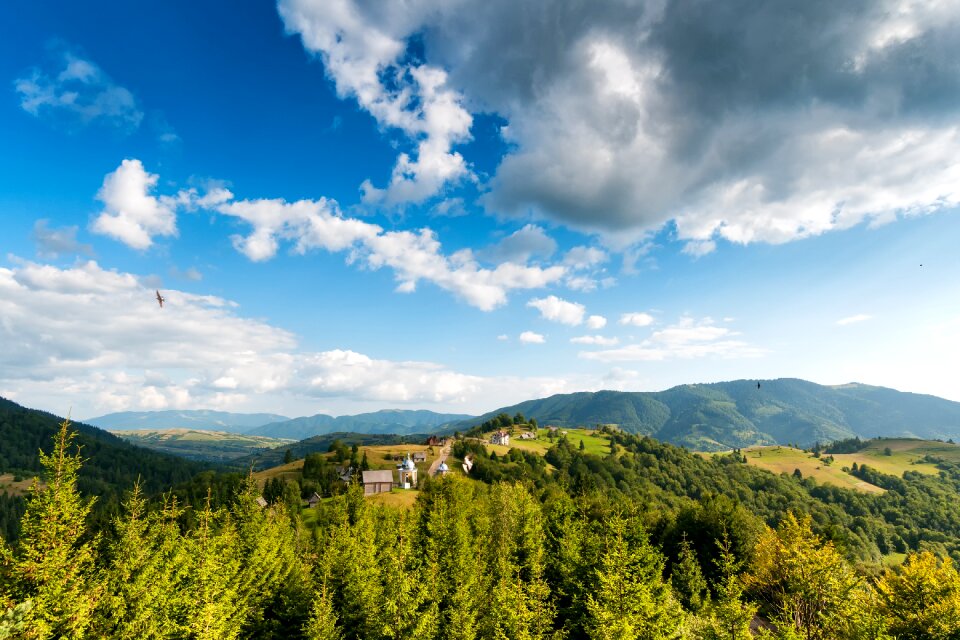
{"points": [[519, 557]]}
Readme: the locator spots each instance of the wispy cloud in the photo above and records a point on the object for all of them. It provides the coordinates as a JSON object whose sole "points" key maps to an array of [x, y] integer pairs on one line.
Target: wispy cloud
{"points": [[686, 339], [78, 89], [860, 317], [54, 242]]}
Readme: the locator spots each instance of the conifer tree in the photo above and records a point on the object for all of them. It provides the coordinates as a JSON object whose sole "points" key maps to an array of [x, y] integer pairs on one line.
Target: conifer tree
{"points": [[631, 601], [53, 567], [322, 624], [215, 611], [404, 611], [687, 578], [143, 572], [728, 616]]}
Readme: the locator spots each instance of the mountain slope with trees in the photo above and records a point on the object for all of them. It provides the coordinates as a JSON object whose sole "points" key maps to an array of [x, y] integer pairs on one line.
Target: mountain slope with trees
{"points": [[727, 415]]}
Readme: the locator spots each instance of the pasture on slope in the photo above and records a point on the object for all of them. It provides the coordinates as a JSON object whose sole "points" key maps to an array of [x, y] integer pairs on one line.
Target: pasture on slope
{"points": [[905, 454]]}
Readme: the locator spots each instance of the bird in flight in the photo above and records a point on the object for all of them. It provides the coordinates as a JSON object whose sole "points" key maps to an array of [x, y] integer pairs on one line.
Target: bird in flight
{"points": [[758, 385], [160, 299]]}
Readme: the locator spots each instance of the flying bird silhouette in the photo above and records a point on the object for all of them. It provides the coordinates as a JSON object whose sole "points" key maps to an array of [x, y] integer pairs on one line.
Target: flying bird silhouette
{"points": [[758, 385], [160, 299]]}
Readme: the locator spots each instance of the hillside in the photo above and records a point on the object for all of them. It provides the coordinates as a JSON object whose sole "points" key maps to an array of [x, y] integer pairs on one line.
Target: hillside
{"points": [[182, 419], [321, 444], [396, 421], [111, 469], [217, 446], [737, 414]]}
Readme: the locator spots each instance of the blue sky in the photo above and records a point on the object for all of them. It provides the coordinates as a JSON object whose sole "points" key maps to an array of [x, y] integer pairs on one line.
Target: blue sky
{"points": [[461, 205]]}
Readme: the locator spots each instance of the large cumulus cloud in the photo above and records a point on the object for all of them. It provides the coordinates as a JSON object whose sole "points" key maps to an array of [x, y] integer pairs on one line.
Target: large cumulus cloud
{"points": [[742, 120]]}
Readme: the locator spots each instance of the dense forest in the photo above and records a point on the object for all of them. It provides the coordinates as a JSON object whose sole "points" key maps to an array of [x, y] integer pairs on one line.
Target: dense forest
{"points": [[647, 542]]}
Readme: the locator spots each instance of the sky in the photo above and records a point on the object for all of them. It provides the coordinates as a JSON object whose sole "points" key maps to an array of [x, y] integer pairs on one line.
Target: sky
{"points": [[458, 205]]}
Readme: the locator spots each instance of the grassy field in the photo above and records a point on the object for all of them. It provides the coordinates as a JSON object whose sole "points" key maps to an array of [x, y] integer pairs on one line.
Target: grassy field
{"points": [[197, 444], [398, 498], [15, 487], [593, 442], [905, 455], [785, 459]]}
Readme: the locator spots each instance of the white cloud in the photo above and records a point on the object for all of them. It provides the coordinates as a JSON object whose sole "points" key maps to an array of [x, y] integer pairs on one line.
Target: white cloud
{"points": [[559, 310], [600, 341], [131, 213], [596, 322], [95, 339], [687, 339], [860, 317], [637, 319], [529, 337], [503, 337], [80, 90], [363, 54]]}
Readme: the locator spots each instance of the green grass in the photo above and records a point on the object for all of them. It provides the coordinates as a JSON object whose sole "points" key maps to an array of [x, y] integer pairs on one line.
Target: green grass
{"points": [[786, 459], [593, 442], [906, 455]]}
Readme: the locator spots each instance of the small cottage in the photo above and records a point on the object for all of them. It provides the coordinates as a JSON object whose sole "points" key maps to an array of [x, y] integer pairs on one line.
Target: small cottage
{"points": [[500, 437], [345, 473], [261, 502], [528, 435], [434, 441], [377, 481], [313, 500], [419, 456]]}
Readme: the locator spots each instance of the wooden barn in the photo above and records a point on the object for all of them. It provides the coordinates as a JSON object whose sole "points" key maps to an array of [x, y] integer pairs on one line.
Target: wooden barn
{"points": [[377, 482]]}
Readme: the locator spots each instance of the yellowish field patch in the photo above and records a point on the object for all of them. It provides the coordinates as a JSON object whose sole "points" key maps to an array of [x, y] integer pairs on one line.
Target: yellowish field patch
{"points": [[593, 441], [398, 498], [289, 471], [786, 459], [15, 488]]}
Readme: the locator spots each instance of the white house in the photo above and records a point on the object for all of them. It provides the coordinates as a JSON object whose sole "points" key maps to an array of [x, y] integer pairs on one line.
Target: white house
{"points": [[500, 437]]}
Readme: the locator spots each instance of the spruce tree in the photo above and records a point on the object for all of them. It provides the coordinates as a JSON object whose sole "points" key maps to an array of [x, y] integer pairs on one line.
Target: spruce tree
{"points": [[687, 578], [631, 601], [53, 569]]}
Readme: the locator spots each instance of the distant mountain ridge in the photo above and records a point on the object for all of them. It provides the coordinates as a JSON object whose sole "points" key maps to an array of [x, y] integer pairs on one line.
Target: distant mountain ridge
{"points": [[184, 419], [733, 414], [387, 421]]}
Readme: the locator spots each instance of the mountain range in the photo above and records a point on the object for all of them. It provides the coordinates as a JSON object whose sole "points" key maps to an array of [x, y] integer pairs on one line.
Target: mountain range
{"points": [[184, 419], [733, 414], [395, 421]]}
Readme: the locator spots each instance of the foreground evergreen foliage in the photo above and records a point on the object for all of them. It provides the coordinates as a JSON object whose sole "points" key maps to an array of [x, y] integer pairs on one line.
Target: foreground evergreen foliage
{"points": [[530, 560]]}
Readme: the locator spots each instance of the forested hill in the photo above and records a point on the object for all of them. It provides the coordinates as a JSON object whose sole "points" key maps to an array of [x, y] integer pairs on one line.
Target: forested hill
{"points": [[180, 419], [112, 466], [725, 415], [396, 421]]}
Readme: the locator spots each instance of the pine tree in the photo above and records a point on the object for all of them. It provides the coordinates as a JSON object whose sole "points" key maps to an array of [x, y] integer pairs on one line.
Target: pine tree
{"points": [[404, 611], [53, 567], [322, 624]]}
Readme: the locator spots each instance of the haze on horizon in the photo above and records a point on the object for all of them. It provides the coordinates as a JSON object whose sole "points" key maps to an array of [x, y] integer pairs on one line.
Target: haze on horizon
{"points": [[460, 205]]}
